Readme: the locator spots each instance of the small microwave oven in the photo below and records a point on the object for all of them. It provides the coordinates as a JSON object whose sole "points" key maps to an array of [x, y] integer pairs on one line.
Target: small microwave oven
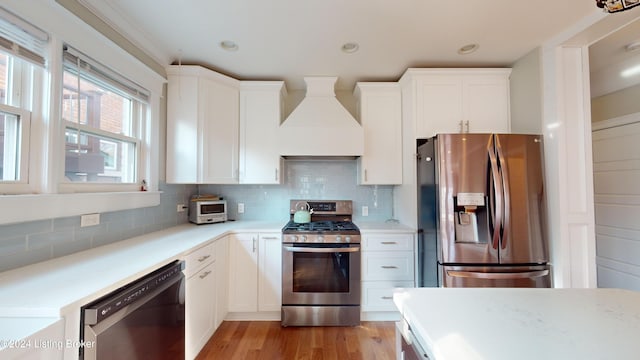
{"points": [[207, 211]]}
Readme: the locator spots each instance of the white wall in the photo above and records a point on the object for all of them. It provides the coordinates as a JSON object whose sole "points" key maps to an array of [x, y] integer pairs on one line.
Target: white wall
{"points": [[526, 94]]}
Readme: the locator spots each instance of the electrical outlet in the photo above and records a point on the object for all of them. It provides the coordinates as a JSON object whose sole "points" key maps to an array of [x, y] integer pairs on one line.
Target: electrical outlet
{"points": [[240, 208], [181, 208], [365, 211], [89, 220]]}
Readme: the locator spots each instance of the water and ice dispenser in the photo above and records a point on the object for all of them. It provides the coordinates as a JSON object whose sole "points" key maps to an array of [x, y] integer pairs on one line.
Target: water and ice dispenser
{"points": [[470, 218]]}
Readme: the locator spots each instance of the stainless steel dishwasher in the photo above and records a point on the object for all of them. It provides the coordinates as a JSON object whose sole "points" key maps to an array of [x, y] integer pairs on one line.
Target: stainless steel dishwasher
{"points": [[142, 320]]}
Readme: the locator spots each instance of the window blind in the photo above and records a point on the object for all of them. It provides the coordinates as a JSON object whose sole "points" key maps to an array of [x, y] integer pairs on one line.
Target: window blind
{"points": [[82, 65], [22, 39]]}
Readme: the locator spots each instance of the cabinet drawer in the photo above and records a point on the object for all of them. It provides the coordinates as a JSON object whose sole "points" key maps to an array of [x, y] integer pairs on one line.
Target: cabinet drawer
{"points": [[378, 295], [197, 259], [388, 242], [387, 266]]}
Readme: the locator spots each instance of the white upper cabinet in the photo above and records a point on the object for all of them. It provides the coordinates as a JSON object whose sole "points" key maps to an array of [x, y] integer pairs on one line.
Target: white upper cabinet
{"points": [[202, 126], [460, 100], [380, 111], [261, 112]]}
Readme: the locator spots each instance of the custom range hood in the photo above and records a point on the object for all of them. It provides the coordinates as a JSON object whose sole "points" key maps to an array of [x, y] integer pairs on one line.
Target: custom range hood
{"points": [[320, 126]]}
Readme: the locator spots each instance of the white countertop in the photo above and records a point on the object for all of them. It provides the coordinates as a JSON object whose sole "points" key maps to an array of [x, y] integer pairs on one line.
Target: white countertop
{"points": [[70, 279], [498, 323], [383, 226], [35, 296]]}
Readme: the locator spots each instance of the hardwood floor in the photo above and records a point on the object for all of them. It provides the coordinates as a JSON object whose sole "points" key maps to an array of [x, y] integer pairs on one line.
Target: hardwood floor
{"points": [[268, 340]]}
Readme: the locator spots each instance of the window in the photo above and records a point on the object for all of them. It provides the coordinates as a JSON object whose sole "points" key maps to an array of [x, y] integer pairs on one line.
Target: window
{"points": [[14, 144], [103, 115], [22, 65]]}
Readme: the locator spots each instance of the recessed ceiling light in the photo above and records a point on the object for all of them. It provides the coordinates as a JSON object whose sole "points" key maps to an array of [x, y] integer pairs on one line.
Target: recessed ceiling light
{"points": [[350, 47], [632, 71], [229, 45], [468, 49]]}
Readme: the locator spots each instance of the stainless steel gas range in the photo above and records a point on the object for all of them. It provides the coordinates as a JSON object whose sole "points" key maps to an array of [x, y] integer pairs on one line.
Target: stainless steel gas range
{"points": [[321, 265]]}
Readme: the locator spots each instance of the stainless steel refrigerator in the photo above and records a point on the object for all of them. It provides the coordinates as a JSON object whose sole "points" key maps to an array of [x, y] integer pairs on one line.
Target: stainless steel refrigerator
{"points": [[481, 213]]}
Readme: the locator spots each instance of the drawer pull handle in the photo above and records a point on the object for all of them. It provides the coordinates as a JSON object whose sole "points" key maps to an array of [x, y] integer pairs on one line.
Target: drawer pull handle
{"points": [[206, 273], [270, 237], [386, 297], [388, 267], [203, 258], [389, 242]]}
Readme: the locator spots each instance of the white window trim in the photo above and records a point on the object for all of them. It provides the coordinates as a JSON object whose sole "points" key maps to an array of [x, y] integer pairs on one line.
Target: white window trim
{"points": [[45, 197]]}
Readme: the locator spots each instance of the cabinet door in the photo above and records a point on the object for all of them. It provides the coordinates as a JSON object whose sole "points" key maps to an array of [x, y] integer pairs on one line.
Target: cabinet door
{"points": [[202, 126], [182, 129], [219, 135], [270, 280], [222, 289], [200, 309], [260, 115], [486, 104], [381, 117], [439, 105], [243, 272]]}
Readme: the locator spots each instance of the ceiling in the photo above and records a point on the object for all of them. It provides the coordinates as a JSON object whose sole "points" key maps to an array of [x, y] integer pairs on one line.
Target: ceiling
{"points": [[290, 39], [608, 59]]}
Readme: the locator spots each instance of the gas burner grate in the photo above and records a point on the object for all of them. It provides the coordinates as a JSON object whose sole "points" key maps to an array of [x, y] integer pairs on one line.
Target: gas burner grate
{"points": [[321, 226]]}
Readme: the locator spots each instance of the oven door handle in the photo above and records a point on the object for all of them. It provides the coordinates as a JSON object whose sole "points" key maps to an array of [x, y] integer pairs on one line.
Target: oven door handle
{"points": [[321, 250]]}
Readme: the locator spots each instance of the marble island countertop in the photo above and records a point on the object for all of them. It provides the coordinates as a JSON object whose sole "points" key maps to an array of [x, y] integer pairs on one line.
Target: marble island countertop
{"points": [[496, 324]]}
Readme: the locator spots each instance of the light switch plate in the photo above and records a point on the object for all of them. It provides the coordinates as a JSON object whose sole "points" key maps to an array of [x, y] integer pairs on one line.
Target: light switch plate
{"points": [[240, 208], [365, 211]]}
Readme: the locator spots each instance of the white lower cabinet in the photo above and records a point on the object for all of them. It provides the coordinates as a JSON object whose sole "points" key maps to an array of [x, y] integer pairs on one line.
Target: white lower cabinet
{"points": [[221, 293], [255, 283], [378, 295], [200, 321], [270, 275], [387, 263]]}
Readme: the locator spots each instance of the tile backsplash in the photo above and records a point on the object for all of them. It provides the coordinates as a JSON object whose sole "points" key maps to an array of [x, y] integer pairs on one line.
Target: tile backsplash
{"points": [[30, 242], [306, 179]]}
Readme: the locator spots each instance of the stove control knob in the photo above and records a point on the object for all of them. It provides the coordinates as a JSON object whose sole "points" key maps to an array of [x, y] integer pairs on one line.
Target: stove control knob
{"points": [[347, 239], [304, 238], [293, 238], [320, 238], [338, 238]]}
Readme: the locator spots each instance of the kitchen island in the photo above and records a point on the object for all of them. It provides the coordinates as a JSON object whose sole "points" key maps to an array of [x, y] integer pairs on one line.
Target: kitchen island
{"points": [[501, 323]]}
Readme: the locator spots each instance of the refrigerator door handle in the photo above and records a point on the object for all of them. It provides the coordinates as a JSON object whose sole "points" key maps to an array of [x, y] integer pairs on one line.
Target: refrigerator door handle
{"points": [[498, 276], [497, 194], [504, 174]]}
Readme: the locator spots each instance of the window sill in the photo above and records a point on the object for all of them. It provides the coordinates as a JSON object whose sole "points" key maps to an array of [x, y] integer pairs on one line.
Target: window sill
{"points": [[23, 208]]}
